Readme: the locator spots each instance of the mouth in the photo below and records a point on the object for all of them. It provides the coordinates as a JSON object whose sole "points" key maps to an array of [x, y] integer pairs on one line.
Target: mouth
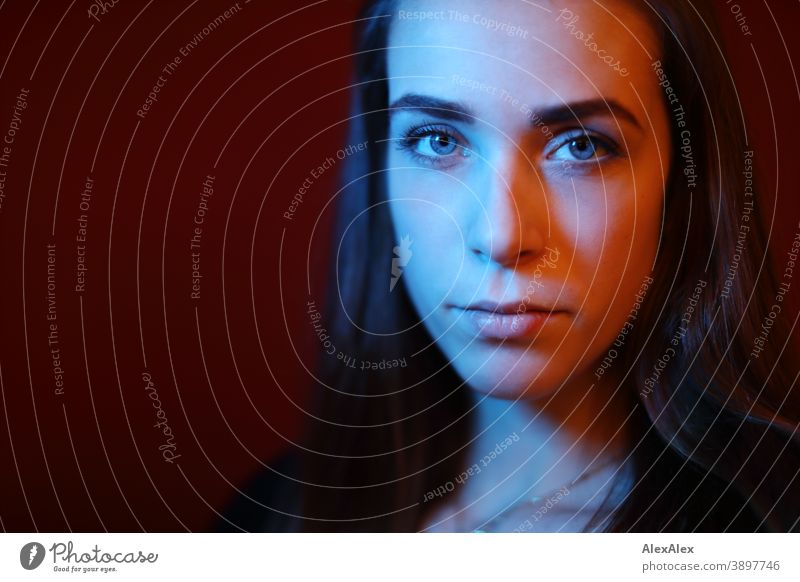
{"points": [[491, 320]]}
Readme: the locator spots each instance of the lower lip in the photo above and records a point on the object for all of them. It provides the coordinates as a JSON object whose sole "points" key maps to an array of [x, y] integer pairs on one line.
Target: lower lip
{"points": [[505, 325]]}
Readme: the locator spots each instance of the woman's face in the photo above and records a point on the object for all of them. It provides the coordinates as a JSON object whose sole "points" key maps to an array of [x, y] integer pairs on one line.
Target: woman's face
{"points": [[529, 147]]}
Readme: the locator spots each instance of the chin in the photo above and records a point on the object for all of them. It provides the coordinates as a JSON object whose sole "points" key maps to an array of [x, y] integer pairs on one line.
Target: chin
{"points": [[528, 379]]}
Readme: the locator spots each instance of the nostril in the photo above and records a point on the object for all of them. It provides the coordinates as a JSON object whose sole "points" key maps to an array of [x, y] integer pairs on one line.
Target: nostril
{"points": [[506, 259], [480, 254]]}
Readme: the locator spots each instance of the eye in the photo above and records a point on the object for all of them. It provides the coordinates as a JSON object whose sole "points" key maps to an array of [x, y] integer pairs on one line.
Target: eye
{"points": [[434, 144], [581, 146]]}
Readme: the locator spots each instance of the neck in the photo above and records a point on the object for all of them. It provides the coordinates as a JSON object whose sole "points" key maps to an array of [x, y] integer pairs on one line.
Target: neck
{"points": [[580, 427]]}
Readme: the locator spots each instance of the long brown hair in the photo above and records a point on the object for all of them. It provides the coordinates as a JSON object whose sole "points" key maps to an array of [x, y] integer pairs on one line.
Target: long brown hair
{"points": [[714, 444]]}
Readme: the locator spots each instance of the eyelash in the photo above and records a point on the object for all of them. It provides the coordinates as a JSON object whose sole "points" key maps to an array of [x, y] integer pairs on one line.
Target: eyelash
{"points": [[415, 134]]}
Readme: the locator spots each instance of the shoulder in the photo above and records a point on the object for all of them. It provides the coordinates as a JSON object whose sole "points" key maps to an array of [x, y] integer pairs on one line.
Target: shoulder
{"points": [[268, 501]]}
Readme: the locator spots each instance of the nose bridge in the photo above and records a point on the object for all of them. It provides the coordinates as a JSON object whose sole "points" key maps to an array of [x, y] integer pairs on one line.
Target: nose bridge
{"points": [[513, 213]]}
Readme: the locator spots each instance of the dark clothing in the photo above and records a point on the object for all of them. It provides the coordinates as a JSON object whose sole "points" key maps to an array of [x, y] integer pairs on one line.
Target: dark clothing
{"points": [[271, 502]]}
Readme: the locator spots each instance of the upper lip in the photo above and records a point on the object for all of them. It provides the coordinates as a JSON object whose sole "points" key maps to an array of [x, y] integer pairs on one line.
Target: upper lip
{"points": [[509, 308]]}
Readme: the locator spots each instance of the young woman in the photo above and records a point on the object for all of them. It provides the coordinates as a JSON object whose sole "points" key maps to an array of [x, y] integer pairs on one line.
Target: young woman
{"points": [[549, 294]]}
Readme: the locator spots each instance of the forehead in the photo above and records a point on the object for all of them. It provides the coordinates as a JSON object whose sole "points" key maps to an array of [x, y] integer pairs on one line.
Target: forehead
{"points": [[538, 52]]}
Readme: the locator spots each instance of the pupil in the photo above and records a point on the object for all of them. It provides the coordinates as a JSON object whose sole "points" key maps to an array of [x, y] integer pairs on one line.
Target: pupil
{"points": [[441, 144], [582, 148]]}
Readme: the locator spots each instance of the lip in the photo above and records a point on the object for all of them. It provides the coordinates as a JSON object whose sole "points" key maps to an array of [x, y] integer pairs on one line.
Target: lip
{"points": [[492, 320]]}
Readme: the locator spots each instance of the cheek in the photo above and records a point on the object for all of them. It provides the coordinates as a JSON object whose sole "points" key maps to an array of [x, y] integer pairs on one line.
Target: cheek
{"points": [[616, 234], [615, 222], [419, 209], [433, 224]]}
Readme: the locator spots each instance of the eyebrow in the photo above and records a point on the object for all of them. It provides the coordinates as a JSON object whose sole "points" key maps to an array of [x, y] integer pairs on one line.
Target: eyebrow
{"points": [[553, 115], [434, 106]]}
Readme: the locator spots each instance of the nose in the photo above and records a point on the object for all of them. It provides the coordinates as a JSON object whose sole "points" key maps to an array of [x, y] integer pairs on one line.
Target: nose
{"points": [[510, 217]]}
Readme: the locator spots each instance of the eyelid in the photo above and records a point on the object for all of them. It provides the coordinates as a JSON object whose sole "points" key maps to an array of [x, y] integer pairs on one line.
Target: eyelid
{"points": [[427, 128]]}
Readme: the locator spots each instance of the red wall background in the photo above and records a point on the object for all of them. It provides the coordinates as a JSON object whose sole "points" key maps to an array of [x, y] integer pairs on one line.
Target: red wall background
{"points": [[256, 104]]}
